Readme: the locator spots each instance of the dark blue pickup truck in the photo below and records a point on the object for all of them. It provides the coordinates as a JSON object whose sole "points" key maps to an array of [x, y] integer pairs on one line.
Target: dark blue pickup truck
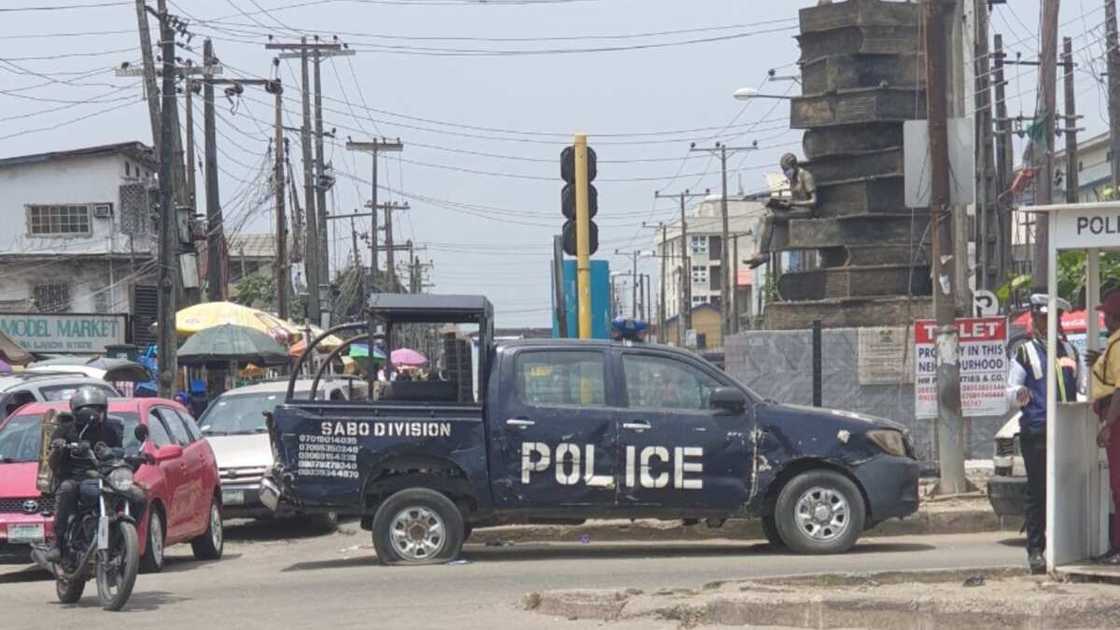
{"points": [[559, 431]]}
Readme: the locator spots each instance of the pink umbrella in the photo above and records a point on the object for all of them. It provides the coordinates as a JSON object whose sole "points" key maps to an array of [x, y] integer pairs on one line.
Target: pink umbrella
{"points": [[407, 357]]}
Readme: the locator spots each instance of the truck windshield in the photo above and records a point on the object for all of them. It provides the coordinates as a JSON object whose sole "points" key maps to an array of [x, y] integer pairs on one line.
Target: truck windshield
{"points": [[242, 414]]}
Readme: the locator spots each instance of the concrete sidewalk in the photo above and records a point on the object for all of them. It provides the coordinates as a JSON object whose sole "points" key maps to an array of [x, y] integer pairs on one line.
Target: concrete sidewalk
{"points": [[996, 598], [954, 516]]}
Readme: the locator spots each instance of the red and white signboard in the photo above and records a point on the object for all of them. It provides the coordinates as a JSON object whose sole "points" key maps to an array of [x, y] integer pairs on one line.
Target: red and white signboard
{"points": [[983, 361]]}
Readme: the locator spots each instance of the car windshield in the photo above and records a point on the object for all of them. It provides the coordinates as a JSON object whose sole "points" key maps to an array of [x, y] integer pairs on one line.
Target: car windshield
{"points": [[20, 438], [241, 414]]}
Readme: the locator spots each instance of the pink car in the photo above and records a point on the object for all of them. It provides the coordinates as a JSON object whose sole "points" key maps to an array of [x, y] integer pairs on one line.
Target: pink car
{"points": [[183, 489]]}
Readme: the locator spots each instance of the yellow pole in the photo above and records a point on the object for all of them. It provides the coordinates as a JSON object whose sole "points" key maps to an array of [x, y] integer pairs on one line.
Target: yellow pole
{"points": [[583, 237]]}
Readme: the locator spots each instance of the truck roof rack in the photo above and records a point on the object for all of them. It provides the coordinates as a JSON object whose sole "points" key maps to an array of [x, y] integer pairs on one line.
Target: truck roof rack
{"points": [[430, 309]]}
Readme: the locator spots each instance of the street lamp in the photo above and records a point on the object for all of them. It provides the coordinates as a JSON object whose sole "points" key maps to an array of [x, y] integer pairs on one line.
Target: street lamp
{"points": [[746, 94]]}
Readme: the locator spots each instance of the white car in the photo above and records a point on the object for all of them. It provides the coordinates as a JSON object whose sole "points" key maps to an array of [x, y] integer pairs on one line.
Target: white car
{"points": [[234, 424]]}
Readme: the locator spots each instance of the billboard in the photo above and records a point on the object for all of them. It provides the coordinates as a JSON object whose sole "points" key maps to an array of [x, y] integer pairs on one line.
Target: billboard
{"points": [[600, 300]]}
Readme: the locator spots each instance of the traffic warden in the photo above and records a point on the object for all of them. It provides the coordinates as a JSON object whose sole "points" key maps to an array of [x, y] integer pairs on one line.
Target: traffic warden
{"points": [[1026, 389]]}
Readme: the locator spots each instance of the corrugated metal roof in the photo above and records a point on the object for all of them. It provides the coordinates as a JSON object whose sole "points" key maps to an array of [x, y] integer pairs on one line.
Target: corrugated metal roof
{"points": [[136, 150]]}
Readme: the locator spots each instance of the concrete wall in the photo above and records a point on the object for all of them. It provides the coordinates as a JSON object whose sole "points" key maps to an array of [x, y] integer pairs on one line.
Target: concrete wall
{"points": [[778, 365], [89, 179]]}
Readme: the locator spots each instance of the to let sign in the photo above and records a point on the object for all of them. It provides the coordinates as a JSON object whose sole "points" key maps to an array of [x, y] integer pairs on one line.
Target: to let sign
{"points": [[982, 356], [65, 333]]}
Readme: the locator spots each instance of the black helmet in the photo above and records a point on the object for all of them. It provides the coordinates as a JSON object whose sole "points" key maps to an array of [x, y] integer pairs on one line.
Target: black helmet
{"points": [[90, 400]]}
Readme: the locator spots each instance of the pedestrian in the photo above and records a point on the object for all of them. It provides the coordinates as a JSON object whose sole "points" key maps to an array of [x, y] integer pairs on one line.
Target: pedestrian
{"points": [[1026, 389], [1105, 377]]}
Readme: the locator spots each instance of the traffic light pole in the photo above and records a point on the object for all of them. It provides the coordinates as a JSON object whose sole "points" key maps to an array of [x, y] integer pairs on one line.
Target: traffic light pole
{"points": [[583, 237]]}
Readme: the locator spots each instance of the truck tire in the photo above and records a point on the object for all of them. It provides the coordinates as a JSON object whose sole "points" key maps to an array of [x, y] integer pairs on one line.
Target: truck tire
{"points": [[417, 526], [820, 512], [770, 530]]}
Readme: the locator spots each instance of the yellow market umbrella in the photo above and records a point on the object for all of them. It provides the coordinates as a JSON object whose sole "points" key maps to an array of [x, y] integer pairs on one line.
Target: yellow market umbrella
{"points": [[202, 316]]}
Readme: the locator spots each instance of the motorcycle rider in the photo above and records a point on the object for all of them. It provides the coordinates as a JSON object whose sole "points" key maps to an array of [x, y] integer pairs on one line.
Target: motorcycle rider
{"points": [[88, 423]]}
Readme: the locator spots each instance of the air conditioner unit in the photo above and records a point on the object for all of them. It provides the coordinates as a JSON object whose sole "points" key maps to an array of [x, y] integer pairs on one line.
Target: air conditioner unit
{"points": [[103, 211]]}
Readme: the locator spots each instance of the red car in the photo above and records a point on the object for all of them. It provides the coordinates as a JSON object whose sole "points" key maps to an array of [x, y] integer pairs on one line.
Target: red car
{"points": [[183, 489]]}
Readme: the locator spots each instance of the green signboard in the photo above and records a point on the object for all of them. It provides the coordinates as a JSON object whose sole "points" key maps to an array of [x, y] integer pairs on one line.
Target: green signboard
{"points": [[67, 333]]}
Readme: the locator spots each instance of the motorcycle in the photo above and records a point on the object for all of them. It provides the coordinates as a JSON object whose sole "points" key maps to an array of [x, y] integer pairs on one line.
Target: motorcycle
{"points": [[101, 537]]}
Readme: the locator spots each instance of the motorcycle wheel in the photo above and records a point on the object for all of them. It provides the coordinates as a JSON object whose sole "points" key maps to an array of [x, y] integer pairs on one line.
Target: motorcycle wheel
{"points": [[116, 570], [69, 591]]}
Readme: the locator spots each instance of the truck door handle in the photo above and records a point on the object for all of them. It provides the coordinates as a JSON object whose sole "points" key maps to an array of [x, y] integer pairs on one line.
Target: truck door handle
{"points": [[519, 423], [636, 425]]}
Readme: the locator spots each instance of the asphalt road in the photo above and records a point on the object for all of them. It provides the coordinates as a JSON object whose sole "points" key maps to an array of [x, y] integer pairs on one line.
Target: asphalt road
{"points": [[280, 577]]}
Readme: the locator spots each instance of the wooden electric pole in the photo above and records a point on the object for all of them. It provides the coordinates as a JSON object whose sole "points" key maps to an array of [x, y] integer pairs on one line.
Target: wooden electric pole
{"points": [[390, 264], [282, 276], [1005, 166], [151, 88], [215, 236], [1048, 99], [374, 147], [729, 321], [168, 223], [1073, 184], [950, 432], [1113, 41], [684, 314]]}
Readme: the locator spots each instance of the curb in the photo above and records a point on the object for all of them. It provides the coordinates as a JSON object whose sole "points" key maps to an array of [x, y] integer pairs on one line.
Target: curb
{"points": [[849, 601], [920, 524]]}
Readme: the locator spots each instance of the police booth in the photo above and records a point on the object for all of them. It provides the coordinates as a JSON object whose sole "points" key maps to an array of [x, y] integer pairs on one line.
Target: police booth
{"points": [[1078, 500]]}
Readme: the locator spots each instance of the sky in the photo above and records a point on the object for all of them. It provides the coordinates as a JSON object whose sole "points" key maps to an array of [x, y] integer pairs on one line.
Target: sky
{"points": [[484, 96]]}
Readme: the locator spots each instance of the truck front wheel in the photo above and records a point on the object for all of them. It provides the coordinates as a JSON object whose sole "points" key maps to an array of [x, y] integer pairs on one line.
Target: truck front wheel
{"points": [[417, 526], [820, 512]]}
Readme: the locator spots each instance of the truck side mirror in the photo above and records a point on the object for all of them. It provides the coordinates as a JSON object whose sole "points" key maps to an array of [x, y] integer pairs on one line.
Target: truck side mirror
{"points": [[728, 400], [141, 433]]}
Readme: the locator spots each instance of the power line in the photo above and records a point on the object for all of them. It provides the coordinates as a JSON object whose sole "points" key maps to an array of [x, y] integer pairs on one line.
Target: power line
{"points": [[62, 7]]}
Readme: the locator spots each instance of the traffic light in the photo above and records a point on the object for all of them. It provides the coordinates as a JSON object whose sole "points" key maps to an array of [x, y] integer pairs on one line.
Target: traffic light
{"points": [[568, 200]]}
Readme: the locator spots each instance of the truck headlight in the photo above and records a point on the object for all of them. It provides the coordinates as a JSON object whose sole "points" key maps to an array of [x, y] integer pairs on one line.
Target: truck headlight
{"points": [[891, 442], [121, 479]]}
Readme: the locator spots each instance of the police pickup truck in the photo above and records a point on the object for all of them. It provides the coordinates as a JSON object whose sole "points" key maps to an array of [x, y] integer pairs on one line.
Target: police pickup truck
{"points": [[559, 431]]}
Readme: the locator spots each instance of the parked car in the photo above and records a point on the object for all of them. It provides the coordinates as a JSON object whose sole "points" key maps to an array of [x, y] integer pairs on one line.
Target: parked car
{"points": [[183, 490], [234, 424], [17, 390], [566, 430]]}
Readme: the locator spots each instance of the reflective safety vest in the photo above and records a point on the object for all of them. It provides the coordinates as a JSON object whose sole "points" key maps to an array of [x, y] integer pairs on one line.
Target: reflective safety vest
{"points": [[1032, 356]]}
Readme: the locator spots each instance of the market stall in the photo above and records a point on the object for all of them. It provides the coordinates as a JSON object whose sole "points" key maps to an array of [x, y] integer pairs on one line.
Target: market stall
{"points": [[1078, 502]]}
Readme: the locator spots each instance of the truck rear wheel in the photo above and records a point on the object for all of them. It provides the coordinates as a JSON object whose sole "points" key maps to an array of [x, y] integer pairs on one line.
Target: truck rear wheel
{"points": [[820, 512], [417, 526]]}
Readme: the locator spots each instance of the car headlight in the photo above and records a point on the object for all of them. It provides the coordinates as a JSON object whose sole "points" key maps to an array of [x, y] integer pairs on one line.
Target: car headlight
{"points": [[891, 442], [121, 479]]}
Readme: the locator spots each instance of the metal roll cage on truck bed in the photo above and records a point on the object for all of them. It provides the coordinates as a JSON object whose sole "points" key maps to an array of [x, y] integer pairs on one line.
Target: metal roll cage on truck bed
{"points": [[560, 430]]}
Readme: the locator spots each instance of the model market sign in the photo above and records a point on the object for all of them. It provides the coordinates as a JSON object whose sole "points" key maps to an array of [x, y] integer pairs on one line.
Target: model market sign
{"points": [[64, 333]]}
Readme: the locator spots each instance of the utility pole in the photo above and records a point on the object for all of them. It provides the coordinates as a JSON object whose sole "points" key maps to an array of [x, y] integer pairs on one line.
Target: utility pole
{"points": [[215, 236], [390, 265], [581, 161], [1073, 185], [315, 180], [320, 171], [282, 277], [1047, 86], [661, 286], [728, 322], [312, 255], [168, 237], [684, 314], [151, 89], [374, 147], [189, 90], [633, 279], [1004, 161], [1113, 41], [950, 434], [355, 252], [987, 213]]}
